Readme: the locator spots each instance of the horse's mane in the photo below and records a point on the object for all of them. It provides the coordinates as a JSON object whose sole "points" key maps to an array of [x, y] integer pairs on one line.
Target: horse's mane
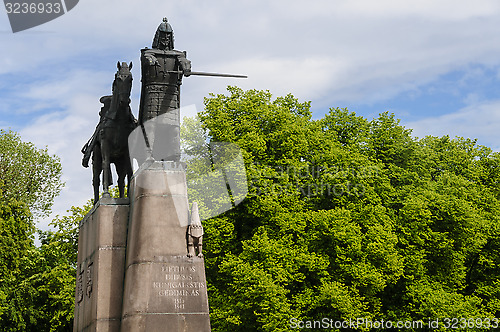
{"points": [[113, 108]]}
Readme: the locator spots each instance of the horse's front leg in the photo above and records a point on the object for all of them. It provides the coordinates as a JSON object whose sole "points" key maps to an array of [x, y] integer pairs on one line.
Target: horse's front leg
{"points": [[106, 167], [129, 174], [120, 169], [106, 177], [124, 169], [96, 171]]}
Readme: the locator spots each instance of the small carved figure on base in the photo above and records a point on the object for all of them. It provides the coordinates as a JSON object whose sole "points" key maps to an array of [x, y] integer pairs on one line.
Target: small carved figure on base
{"points": [[195, 233]]}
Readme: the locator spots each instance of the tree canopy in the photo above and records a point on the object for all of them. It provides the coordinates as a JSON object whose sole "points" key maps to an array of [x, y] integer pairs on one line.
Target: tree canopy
{"points": [[28, 174], [345, 218], [349, 218], [36, 283]]}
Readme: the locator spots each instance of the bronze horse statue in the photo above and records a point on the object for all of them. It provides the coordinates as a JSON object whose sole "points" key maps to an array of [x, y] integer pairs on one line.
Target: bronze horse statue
{"points": [[109, 143]]}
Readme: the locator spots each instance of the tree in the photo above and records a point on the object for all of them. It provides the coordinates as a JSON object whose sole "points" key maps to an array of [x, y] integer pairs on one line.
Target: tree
{"points": [[348, 218], [29, 182], [54, 272], [16, 249], [37, 289], [345, 218], [28, 174]]}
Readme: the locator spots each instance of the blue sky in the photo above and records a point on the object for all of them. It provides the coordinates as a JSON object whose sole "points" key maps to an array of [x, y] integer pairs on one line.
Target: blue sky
{"points": [[435, 64], [458, 89]]}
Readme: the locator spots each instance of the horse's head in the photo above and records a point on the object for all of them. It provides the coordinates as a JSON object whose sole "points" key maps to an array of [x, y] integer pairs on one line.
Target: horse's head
{"points": [[123, 83]]}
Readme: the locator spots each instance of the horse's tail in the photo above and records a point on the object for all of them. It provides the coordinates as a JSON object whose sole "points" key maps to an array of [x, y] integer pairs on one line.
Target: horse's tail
{"points": [[87, 152], [86, 146]]}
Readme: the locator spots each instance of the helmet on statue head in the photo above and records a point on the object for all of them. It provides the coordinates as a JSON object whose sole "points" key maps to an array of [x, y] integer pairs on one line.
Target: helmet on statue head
{"points": [[164, 37]]}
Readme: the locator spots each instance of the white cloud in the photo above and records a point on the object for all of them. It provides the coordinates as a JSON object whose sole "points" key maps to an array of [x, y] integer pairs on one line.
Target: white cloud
{"points": [[64, 133], [299, 76], [330, 52], [478, 121], [383, 48], [428, 9], [59, 91]]}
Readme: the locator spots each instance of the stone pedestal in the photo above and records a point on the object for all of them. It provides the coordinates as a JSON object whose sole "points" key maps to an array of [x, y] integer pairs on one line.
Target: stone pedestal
{"points": [[134, 273], [101, 263], [165, 290]]}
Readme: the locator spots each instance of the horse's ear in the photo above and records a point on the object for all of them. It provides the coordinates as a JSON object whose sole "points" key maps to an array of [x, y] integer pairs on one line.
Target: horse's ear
{"points": [[118, 65], [130, 66]]}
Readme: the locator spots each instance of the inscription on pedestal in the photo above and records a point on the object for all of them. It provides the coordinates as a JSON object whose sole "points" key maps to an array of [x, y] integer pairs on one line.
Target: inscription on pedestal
{"points": [[180, 286], [90, 268], [79, 285], [84, 281]]}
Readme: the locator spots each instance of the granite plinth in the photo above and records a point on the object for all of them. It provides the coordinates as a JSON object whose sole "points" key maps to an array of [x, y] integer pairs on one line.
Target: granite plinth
{"points": [[101, 263], [164, 289], [134, 273]]}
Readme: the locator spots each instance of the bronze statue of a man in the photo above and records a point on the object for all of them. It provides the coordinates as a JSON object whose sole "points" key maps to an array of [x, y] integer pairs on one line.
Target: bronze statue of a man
{"points": [[164, 37], [162, 71]]}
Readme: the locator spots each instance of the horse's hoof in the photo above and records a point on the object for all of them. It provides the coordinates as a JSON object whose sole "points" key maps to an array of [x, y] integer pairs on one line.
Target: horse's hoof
{"points": [[106, 195]]}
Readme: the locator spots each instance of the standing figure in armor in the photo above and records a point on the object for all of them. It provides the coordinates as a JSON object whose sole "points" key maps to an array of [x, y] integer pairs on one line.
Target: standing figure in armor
{"points": [[159, 116]]}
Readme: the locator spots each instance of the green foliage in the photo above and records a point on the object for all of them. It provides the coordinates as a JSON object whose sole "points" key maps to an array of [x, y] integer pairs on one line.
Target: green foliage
{"points": [[345, 218], [37, 284], [56, 270], [28, 174], [348, 218], [16, 250]]}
